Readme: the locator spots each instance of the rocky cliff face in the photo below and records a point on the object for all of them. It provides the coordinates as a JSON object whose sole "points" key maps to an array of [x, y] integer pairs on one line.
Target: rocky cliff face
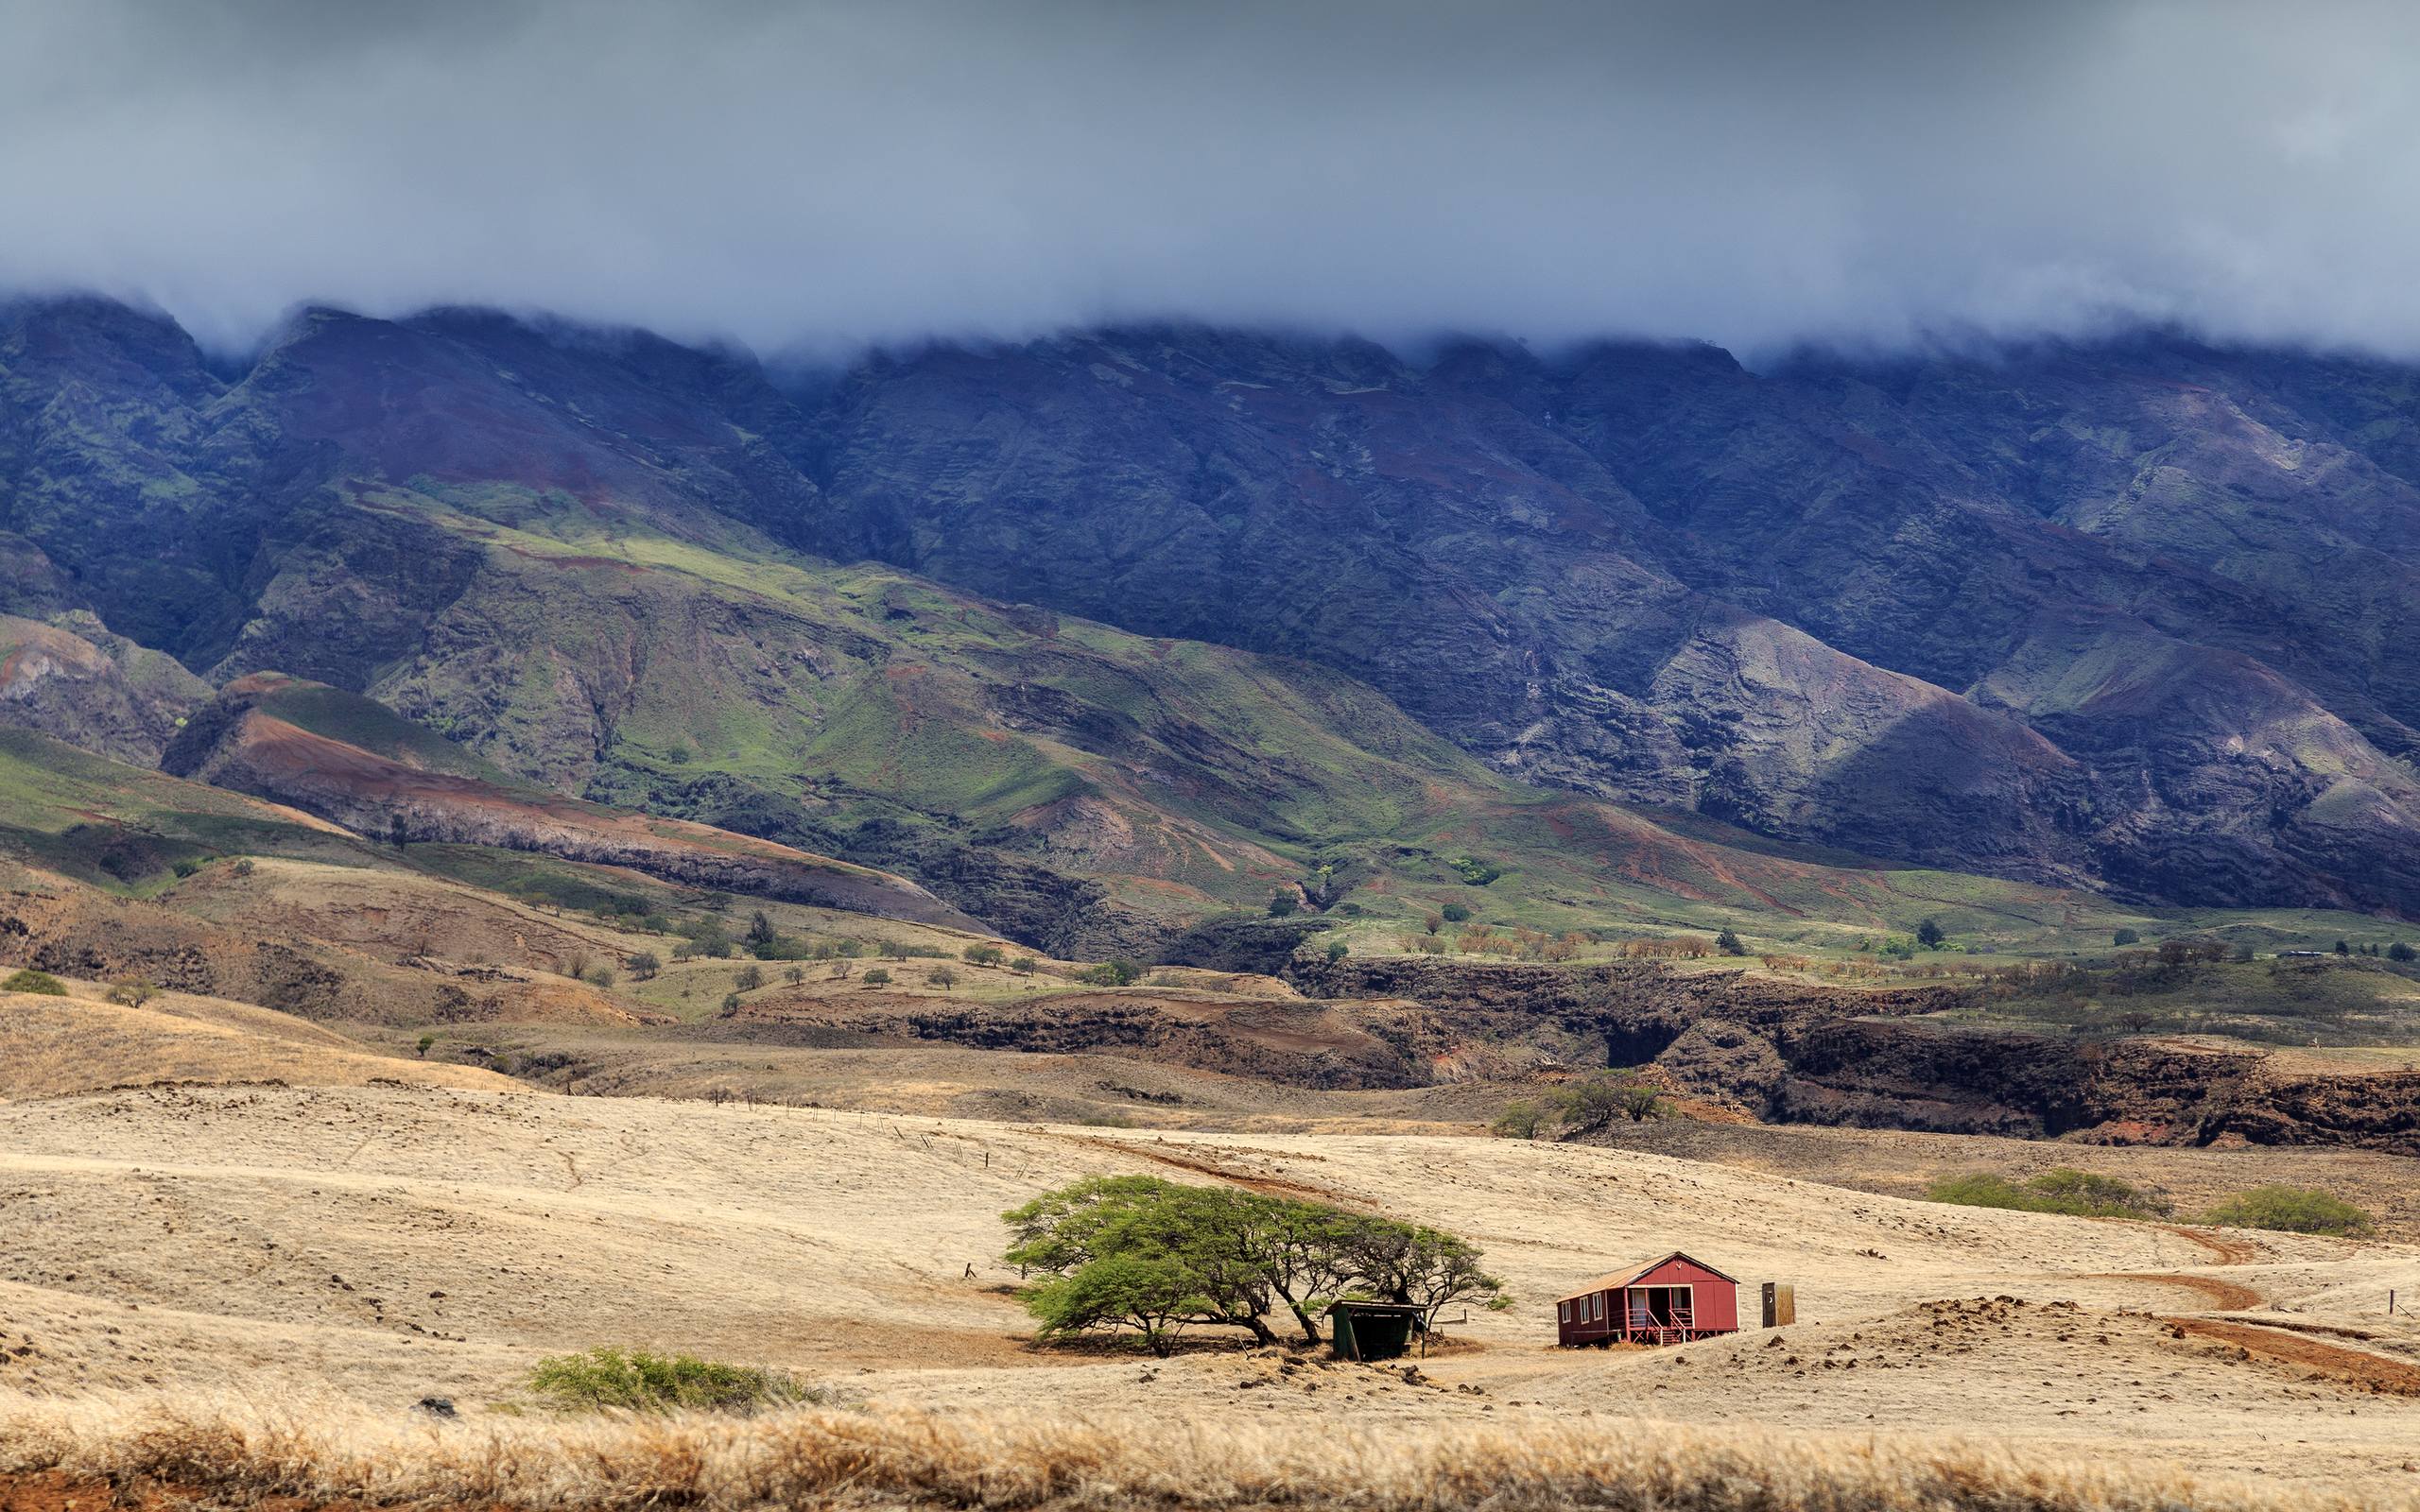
{"points": [[74, 681]]}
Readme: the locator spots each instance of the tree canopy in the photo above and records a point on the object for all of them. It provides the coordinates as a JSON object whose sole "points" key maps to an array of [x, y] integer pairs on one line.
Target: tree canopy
{"points": [[1153, 1256]]}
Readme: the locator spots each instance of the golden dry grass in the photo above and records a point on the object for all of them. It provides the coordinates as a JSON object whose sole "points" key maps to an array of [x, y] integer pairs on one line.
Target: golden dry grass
{"points": [[236, 1451], [53, 1046]]}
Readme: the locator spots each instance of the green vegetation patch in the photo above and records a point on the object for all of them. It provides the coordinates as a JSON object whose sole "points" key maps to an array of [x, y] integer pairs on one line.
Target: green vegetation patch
{"points": [[635, 1381], [33, 981], [2292, 1210], [2061, 1190]]}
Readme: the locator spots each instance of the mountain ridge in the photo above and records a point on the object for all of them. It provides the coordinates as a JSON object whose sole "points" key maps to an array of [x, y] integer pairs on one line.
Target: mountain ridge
{"points": [[2075, 614]]}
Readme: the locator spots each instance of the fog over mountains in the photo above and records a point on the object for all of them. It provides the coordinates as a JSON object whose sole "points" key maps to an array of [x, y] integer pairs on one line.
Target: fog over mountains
{"points": [[1756, 174]]}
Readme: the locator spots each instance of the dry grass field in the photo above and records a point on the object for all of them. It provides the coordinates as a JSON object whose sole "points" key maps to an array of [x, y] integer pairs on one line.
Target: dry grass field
{"points": [[242, 1246]]}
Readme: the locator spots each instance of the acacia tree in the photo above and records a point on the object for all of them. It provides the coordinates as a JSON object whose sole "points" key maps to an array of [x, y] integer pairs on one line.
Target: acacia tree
{"points": [[1154, 1297], [1217, 1256]]}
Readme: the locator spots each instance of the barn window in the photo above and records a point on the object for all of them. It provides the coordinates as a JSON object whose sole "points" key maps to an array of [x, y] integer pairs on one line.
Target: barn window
{"points": [[1565, 1308], [1597, 1306]]}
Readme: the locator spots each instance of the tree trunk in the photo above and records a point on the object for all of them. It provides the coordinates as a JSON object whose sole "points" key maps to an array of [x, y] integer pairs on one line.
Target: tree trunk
{"points": [[1310, 1325]]}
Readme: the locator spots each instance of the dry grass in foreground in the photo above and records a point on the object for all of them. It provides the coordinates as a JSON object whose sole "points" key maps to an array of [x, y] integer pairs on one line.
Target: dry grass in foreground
{"points": [[234, 1450]]}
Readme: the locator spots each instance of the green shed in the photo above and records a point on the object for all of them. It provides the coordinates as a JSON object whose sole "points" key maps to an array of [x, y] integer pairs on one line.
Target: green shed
{"points": [[1373, 1331]]}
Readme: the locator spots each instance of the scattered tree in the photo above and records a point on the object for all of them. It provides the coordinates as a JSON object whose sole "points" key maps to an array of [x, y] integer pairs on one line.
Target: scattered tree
{"points": [[943, 977], [1283, 902], [879, 976], [760, 928], [794, 975], [1456, 913], [2400, 952], [1728, 943], [2125, 937], [2342, 949], [1025, 966], [748, 978], [1433, 923], [425, 1041], [644, 965], [1337, 951], [984, 954], [599, 978], [1930, 935], [133, 991]]}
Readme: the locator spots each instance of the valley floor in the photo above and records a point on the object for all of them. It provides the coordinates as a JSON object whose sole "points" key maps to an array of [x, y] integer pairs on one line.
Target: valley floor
{"points": [[385, 1243]]}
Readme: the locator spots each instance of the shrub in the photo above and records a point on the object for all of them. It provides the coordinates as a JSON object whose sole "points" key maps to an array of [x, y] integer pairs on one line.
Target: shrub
{"points": [[1477, 872], [2400, 952], [1283, 902], [1519, 1121], [879, 976], [2292, 1210], [242, 867], [635, 1381], [1456, 913], [30, 980], [2125, 937], [2061, 1190], [599, 978], [1338, 949], [1594, 1104]]}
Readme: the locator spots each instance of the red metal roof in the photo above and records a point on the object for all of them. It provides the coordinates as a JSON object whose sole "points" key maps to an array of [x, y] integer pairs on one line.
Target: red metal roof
{"points": [[1616, 1280]]}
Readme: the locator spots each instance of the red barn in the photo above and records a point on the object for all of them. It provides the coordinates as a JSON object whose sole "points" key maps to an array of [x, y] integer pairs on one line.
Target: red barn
{"points": [[1671, 1300]]}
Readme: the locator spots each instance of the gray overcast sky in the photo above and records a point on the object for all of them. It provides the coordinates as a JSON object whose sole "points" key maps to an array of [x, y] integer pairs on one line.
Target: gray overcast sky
{"points": [[828, 174]]}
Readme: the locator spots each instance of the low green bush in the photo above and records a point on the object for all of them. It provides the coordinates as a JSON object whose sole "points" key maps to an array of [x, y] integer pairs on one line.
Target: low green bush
{"points": [[2292, 1210], [2061, 1190], [33, 981], [635, 1381]]}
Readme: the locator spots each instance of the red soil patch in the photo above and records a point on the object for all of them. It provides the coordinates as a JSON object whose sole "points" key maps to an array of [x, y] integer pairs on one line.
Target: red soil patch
{"points": [[2354, 1367]]}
